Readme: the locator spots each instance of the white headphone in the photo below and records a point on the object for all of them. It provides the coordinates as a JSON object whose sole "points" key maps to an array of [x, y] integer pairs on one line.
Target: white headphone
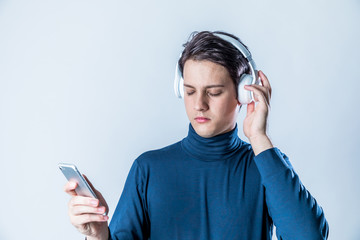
{"points": [[244, 96]]}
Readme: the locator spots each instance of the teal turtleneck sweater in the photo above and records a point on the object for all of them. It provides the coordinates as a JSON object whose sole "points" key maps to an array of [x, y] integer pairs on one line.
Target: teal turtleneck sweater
{"points": [[215, 188]]}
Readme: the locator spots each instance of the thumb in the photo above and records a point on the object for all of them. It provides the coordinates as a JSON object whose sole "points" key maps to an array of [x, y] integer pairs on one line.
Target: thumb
{"points": [[250, 108]]}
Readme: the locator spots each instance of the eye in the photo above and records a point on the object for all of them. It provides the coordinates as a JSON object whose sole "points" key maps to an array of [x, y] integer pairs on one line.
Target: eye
{"points": [[214, 94], [190, 93]]}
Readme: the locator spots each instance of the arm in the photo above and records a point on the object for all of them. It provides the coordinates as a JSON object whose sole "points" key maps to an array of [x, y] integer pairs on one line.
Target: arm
{"points": [[295, 212], [130, 219]]}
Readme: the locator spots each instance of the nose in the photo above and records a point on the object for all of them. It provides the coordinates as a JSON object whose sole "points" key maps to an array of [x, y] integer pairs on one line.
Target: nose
{"points": [[201, 103]]}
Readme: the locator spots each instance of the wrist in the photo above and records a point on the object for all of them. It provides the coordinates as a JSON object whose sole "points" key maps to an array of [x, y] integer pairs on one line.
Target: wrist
{"points": [[260, 143], [103, 236]]}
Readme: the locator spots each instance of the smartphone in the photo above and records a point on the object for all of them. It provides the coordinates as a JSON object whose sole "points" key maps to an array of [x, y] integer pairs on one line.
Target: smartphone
{"points": [[72, 174]]}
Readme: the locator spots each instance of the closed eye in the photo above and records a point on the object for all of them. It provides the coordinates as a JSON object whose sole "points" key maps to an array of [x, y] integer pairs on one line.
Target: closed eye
{"points": [[214, 94]]}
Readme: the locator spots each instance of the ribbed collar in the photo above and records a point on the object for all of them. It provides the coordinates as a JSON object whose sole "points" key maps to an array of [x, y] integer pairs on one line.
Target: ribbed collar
{"points": [[215, 148]]}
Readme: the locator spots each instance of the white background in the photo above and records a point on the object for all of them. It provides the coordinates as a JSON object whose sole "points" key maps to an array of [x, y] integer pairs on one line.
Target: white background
{"points": [[91, 82]]}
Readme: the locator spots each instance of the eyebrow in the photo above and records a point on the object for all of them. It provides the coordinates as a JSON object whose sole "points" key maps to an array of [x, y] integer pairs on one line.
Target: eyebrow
{"points": [[209, 86]]}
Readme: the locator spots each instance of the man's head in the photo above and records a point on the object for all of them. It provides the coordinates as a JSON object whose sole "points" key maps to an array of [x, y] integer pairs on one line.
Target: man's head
{"points": [[211, 68], [207, 46]]}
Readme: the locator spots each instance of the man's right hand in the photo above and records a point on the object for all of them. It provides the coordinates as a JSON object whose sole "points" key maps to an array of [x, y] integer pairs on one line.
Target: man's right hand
{"points": [[86, 214]]}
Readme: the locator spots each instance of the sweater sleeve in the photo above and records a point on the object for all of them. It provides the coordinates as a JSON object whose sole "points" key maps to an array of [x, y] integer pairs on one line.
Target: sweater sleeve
{"points": [[130, 219], [295, 213]]}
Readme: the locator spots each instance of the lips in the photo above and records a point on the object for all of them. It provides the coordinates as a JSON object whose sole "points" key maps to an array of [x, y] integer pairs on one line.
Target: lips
{"points": [[202, 119]]}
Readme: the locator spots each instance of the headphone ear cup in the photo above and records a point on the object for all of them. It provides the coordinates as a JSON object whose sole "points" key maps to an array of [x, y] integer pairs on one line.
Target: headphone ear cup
{"points": [[245, 96], [181, 87], [178, 83]]}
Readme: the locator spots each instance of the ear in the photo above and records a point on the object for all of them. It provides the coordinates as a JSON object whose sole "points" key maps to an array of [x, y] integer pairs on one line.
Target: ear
{"points": [[237, 99], [239, 105]]}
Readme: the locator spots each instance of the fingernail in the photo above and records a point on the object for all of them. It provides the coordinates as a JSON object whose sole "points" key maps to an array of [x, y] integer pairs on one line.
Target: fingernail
{"points": [[94, 202], [72, 184], [101, 209], [105, 217]]}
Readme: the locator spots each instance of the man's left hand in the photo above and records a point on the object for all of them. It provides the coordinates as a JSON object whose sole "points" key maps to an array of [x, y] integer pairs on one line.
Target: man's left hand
{"points": [[255, 122]]}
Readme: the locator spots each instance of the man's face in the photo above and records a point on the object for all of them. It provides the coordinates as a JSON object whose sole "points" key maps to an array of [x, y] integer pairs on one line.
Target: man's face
{"points": [[210, 98]]}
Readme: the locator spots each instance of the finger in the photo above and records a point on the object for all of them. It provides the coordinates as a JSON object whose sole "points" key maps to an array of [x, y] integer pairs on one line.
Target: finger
{"points": [[87, 201], [87, 218], [265, 81], [70, 187], [78, 210], [261, 88], [250, 108], [259, 95], [265, 92]]}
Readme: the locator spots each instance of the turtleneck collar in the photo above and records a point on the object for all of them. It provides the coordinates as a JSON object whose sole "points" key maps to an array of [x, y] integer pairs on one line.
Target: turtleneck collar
{"points": [[215, 148]]}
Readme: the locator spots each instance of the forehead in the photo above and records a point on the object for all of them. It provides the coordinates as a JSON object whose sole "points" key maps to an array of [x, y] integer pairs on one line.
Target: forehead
{"points": [[204, 72]]}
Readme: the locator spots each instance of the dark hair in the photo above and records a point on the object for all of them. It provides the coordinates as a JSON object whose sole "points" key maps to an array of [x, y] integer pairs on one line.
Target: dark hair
{"points": [[207, 46]]}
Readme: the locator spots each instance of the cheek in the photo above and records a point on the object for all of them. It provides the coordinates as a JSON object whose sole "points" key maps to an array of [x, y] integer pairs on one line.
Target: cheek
{"points": [[226, 107], [188, 105]]}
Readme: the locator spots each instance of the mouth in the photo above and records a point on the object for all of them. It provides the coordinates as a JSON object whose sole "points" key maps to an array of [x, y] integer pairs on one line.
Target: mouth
{"points": [[202, 119]]}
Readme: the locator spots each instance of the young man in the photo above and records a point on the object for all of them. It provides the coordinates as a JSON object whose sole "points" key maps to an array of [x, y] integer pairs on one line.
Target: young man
{"points": [[210, 185]]}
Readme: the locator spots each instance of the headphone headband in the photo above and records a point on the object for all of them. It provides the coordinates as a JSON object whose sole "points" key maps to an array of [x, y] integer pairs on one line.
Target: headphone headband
{"points": [[239, 46], [236, 44]]}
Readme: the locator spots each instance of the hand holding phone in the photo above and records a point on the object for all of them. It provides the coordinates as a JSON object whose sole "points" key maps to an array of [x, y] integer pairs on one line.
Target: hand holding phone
{"points": [[87, 207]]}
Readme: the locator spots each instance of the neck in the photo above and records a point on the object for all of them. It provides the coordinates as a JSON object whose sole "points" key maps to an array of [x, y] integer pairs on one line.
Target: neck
{"points": [[215, 148]]}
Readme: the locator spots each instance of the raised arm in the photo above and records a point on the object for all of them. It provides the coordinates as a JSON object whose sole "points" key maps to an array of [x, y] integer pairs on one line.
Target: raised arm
{"points": [[294, 211]]}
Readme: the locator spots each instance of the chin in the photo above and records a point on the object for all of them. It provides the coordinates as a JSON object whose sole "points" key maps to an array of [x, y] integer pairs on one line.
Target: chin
{"points": [[209, 130], [204, 131]]}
